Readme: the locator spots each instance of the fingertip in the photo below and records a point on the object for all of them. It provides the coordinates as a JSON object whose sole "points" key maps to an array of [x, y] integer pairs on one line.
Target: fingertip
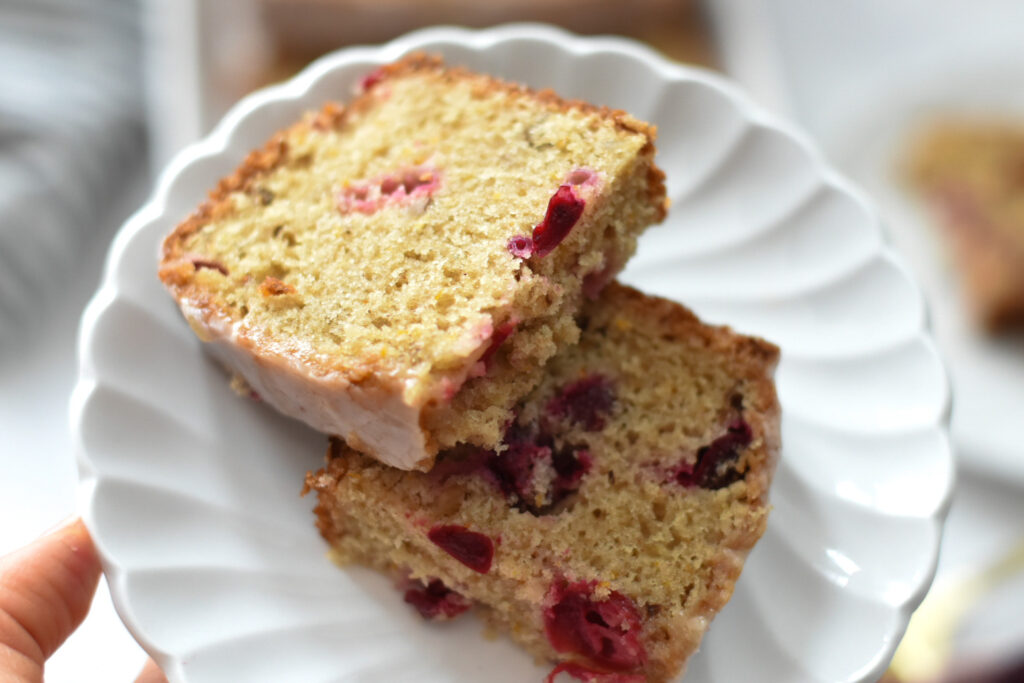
{"points": [[46, 589], [76, 537], [151, 673]]}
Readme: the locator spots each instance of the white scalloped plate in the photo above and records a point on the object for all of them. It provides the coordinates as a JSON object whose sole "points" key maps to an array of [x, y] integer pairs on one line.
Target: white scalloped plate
{"points": [[192, 495], [987, 371]]}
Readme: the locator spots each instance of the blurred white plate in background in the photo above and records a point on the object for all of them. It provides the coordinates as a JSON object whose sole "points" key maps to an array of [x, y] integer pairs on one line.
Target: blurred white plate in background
{"points": [[192, 494], [987, 372]]}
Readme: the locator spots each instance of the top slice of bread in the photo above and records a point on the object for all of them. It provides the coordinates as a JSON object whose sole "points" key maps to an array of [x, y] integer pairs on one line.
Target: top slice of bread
{"points": [[371, 270]]}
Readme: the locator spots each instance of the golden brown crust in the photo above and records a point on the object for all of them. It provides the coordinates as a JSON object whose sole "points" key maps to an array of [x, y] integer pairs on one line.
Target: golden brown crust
{"points": [[656, 189], [419, 62], [324, 482], [257, 163], [175, 268], [271, 286]]}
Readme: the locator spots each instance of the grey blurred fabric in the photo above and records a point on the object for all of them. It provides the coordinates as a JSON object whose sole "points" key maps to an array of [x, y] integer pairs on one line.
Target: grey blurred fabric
{"points": [[70, 121]]}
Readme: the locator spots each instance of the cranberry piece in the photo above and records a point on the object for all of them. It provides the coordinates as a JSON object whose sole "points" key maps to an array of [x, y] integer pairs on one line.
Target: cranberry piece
{"points": [[516, 472], [416, 178], [607, 633], [200, 263], [356, 198], [586, 402], [712, 471], [472, 549], [523, 432], [397, 188], [588, 675], [503, 332], [463, 460], [564, 209], [521, 246], [570, 465], [580, 176], [514, 469], [595, 281], [371, 79], [435, 601]]}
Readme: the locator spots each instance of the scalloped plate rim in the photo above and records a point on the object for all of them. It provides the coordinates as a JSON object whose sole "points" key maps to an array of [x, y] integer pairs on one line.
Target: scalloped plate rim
{"points": [[933, 98], [219, 140]]}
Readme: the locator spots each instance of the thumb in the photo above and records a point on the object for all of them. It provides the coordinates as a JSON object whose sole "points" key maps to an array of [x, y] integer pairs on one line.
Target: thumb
{"points": [[45, 591], [151, 673]]}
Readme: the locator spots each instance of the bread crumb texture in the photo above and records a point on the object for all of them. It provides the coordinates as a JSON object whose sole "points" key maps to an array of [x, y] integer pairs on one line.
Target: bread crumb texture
{"points": [[374, 240], [611, 499]]}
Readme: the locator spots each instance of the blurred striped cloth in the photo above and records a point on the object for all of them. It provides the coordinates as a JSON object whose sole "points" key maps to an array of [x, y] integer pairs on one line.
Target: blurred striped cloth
{"points": [[70, 118]]}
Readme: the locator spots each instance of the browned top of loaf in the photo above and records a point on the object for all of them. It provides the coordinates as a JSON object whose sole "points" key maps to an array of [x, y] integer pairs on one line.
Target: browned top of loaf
{"points": [[420, 62], [333, 115]]}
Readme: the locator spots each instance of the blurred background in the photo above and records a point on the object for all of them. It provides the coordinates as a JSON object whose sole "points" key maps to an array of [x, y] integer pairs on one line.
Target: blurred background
{"points": [[97, 95]]}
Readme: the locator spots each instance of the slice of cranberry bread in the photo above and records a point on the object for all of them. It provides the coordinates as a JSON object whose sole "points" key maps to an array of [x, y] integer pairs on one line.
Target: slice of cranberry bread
{"points": [[612, 525], [971, 172], [398, 271]]}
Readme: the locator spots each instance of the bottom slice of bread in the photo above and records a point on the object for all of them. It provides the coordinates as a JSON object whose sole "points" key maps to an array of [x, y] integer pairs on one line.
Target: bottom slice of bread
{"points": [[615, 521]]}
